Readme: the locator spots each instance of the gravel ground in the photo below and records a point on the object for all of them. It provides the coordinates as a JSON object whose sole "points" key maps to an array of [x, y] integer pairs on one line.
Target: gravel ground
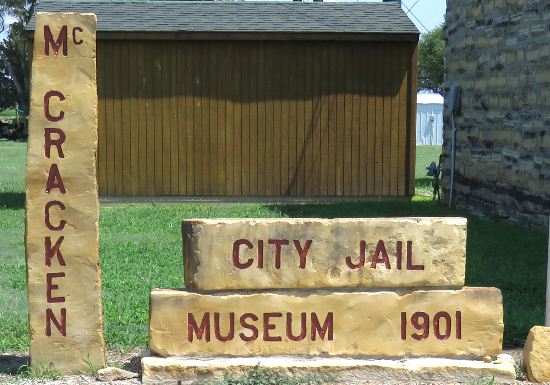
{"points": [[10, 363]]}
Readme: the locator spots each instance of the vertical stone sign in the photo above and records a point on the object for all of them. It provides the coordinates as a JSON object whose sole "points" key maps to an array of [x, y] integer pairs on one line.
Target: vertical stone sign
{"points": [[62, 210]]}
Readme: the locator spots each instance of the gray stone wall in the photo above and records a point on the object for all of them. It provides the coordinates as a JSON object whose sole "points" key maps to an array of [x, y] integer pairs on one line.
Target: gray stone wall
{"points": [[498, 51]]}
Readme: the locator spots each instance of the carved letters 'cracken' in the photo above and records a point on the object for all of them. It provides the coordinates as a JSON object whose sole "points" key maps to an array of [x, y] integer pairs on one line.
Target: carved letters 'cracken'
{"points": [[64, 280]]}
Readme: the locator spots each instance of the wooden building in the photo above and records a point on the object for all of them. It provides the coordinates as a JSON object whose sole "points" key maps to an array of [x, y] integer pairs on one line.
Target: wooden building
{"points": [[252, 98]]}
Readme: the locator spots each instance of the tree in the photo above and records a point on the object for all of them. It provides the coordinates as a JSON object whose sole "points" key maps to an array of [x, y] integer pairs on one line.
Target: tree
{"points": [[14, 73], [430, 64]]}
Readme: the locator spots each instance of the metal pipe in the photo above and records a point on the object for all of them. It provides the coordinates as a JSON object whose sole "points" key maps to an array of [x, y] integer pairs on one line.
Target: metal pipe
{"points": [[547, 321], [453, 159]]}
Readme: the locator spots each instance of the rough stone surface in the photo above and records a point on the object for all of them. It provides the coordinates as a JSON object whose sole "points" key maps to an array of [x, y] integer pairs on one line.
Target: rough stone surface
{"points": [[349, 371], [76, 283], [115, 374], [498, 52], [367, 323], [438, 245], [536, 354]]}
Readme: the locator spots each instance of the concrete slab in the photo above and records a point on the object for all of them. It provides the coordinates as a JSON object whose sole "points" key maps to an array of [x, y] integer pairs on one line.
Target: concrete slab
{"points": [[192, 370]]}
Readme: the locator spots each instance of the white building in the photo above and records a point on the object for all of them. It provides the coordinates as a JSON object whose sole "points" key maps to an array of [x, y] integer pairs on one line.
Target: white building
{"points": [[429, 119]]}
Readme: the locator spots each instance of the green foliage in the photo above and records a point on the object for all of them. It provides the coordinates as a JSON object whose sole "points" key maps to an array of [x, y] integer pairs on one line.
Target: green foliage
{"points": [[141, 248], [92, 369], [8, 92], [520, 370], [43, 373], [10, 112], [431, 49], [484, 380], [263, 376], [14, 60]]}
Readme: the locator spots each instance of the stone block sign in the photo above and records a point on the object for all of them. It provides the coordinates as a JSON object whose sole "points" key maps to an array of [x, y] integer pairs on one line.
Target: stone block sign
{"points": [[223, 254], [466, 322], [536, 354], [360, 298], [64, 279]]}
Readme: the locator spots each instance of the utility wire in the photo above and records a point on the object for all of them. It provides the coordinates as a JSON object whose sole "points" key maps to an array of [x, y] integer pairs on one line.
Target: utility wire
{"points": [[413, 15], [410, 9]]}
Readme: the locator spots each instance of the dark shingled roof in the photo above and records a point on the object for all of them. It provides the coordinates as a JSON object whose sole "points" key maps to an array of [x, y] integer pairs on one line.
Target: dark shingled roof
{"points": [[247, 17]]}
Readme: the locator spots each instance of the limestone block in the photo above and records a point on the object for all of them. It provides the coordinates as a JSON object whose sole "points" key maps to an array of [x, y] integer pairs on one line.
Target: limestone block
{"points": [[536, 354], [465, 322], [64, 280], [114, 374], [225, 254], [344, 370]]}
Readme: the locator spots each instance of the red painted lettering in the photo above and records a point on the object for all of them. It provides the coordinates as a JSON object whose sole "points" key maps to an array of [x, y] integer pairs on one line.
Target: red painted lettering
{"points": [[376, 259], [49, 225], [51, 287], [236, 262], [361, 262], [54, 180], [410, 265], [260, 254], [399, 254], [421, 322], [403, 325], [50, 251], [77, 42], [278, 243], [437, 325], [47, 98], [327, 328], [217, 329], [248, 326], [303, 329], [199, 331], [56, 44], [49, 142], [269, 326], [60, 326], [459, 325], [302, 252]]}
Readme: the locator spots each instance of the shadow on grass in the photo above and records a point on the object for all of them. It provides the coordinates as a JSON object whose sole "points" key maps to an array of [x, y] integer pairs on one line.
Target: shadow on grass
{"points": [[12, 200], [364, 209], [11, 364]]}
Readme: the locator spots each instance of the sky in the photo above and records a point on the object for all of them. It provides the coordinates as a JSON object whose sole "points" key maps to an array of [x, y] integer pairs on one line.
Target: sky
{"points": [[7, 22], [426, 14], [430, 13]]}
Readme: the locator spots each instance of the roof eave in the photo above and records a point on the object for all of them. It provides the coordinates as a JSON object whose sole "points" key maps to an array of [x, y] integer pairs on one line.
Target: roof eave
{"points": [[252, 35]]}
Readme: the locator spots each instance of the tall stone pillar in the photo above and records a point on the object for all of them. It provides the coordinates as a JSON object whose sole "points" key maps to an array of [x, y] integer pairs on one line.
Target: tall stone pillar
{"points": [[62, 209]]}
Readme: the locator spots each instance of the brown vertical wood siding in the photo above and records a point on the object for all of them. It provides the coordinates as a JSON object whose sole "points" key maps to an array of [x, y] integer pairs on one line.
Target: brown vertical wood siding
{"points": [[256, 118]]}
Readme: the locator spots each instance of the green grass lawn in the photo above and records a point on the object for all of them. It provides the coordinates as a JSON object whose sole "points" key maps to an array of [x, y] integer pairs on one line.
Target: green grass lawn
{"points": [[424, 156], [140, 248], [8, 112]]}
